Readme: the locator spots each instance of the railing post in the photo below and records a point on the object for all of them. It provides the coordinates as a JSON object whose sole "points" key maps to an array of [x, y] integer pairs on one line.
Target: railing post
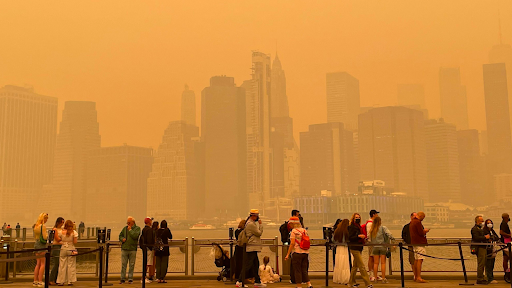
{"points": [[192, 257], [24, 238], [14, 256], [327, 247], [100, 279], [186, 256], [6, 281], [509, 259], [390, 263], [144, 264], [107, 253], [402, 276], [88, 232], [463, 265]]}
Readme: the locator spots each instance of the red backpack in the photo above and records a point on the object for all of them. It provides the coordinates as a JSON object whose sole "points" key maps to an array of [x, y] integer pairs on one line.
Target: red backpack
{"points": [[363, 228], [305, 242]]}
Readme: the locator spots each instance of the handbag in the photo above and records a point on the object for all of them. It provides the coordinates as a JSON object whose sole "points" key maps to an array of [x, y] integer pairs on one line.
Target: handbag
{"points": [[41, 238]]}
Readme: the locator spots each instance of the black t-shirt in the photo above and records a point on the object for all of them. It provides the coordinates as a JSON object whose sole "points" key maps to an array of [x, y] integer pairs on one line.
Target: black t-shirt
{"points": [[505, 228]]}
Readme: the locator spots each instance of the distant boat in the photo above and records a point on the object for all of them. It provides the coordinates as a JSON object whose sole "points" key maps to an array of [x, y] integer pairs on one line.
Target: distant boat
{"points": [[202, 227]]}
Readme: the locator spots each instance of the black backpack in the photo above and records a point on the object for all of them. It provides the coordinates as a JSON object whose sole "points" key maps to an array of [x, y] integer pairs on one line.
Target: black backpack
{"points": [[285, 234]]}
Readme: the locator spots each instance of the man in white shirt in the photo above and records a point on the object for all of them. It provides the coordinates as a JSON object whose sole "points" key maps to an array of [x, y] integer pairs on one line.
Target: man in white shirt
{"points": [[373, 214]]}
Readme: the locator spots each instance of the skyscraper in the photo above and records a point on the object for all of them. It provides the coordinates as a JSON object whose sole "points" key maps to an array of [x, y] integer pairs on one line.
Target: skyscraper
{"points": [[472, 172], [28, 127], [411, 94], [454, 106], [78, 135], [442, 161], [188, 106], [172, 181], [223, 127], [258, 131], [327, 160], [498, 119], [117, 175], [343, 100], [391, 144], [279, 99]]}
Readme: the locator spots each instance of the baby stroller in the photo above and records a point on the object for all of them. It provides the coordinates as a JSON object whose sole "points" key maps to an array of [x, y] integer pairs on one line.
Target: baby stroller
{"points": [[222, 261]]}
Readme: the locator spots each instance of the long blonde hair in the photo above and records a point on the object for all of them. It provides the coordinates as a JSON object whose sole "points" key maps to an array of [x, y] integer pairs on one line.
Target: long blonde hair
{"points": [[41, 219], [375, 226], [353, 218]]}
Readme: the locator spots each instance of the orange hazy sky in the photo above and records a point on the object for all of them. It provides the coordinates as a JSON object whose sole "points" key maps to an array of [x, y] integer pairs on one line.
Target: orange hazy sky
{"points": [[133, 58]]}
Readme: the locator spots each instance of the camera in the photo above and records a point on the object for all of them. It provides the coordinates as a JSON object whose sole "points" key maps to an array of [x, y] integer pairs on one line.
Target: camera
{"points": [[328, 233], [231, 233]]}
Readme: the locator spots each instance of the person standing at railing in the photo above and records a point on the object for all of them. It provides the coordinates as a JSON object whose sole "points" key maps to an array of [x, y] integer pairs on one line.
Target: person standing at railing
{"points": [[491, 251], [300, 252], [380, 234], [506, 238], [41, 238], [406, 236], [163, 235], [239, 251], [419, 239], [67, 266], [342, 265], [478, 236], [253, 231], [128, 237], [366, 227], [56, 246], [146, 242], [152, 268], [357, 239]]}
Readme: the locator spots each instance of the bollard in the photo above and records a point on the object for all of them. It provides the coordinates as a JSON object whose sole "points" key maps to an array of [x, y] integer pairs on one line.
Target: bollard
{"points": [[24, 238], [402, 277], [463, 266], [100, 280], [107, 252], [47, 258], [88, 232], [18, 233]]}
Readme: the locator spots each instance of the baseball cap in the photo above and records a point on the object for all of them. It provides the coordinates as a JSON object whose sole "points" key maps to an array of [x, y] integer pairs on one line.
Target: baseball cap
{"points": [[373, 212], [148, 220]]}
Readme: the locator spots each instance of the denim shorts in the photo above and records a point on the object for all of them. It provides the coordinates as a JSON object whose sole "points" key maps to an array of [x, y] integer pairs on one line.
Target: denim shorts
{"points": [[379, 251]]}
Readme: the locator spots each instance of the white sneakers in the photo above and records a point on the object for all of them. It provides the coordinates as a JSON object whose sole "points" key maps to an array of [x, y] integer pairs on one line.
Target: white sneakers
{"points": [[239, 285]]}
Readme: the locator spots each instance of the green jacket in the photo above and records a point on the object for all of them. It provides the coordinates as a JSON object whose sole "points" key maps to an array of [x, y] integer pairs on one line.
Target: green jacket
{"points": [[132, 238]]}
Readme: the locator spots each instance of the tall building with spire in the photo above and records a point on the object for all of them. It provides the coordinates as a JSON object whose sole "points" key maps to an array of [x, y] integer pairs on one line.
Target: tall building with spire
{"points": [[188, 106], [225, 153], [454, 106], [258, 121], [279, 99], [498, 120], [343, 99], [28, 127], [78, 136]]}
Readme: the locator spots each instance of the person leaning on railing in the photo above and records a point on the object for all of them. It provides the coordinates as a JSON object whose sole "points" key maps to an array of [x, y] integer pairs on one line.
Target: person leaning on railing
{"points": [[478, 236]]}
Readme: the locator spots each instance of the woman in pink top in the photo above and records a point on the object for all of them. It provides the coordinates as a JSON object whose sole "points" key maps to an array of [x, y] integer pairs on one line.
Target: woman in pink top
{"points": [[300, 257]]}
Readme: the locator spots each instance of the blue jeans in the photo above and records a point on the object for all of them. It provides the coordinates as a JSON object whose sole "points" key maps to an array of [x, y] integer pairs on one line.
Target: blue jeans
{"points": [[125, 257]]}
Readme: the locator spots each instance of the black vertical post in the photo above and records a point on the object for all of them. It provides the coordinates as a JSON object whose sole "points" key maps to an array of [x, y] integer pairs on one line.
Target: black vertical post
{"points": [[349, 258], [402, 276], [145, 263], [463, 264], [7, 264], [326, 263], [47, 257], [509, 259], [100, 280], [107, 253]]}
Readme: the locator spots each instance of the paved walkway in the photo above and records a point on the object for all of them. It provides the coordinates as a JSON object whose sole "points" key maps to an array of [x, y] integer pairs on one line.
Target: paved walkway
{"points": [[213, 283]]}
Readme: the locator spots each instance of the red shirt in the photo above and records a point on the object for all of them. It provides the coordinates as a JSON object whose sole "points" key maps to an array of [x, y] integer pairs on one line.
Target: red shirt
{"points": [[418, 235]]}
